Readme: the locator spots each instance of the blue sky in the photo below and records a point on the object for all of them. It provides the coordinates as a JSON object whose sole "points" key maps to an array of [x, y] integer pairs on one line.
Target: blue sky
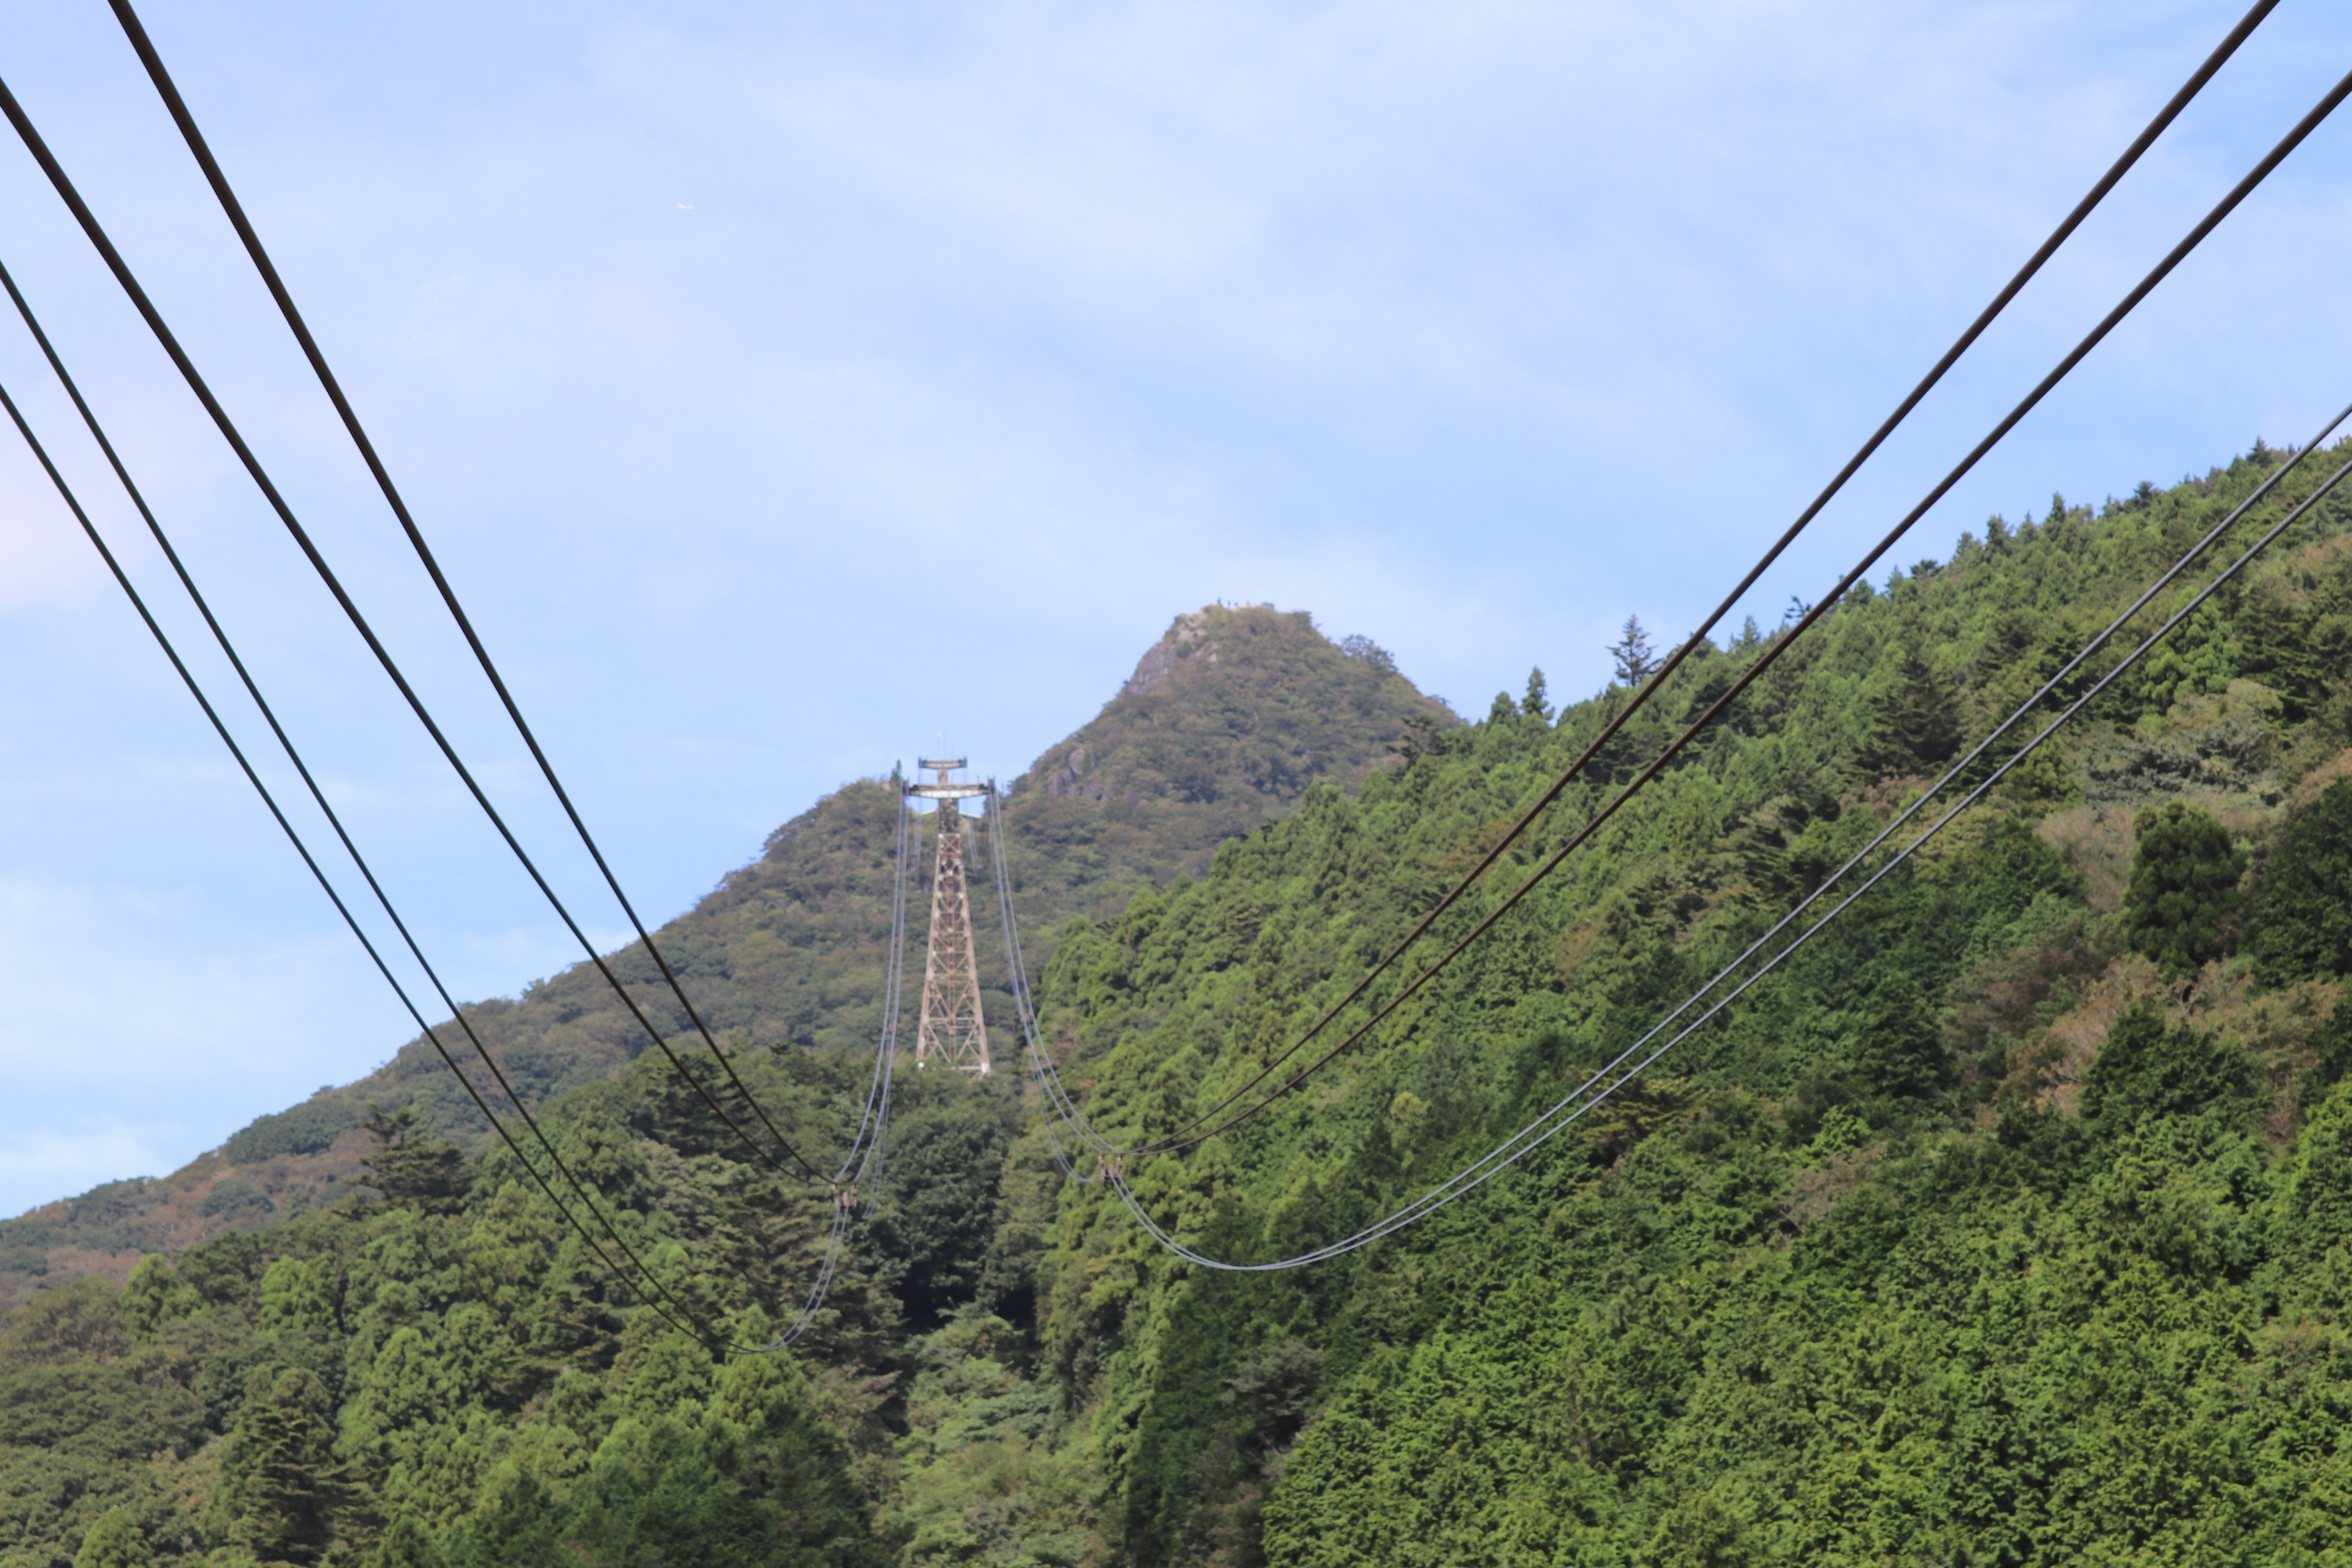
{"points": [[790, 389]]}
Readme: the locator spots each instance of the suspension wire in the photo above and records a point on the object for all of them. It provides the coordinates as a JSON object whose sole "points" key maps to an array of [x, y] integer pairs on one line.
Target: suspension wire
{"points": [[876, 1108], [1656, 680], [659, 1293], [285, 743], [1024, 1007], [1193, 1131], [181, 116], [171, 344], [858, 1179], [1623, 1069]]}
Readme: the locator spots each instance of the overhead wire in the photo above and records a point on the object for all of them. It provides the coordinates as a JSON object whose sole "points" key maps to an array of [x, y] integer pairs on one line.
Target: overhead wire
{"points": [[146, 307], [182, 117], [1623, 1069], [658, 1295], [285, 742], [1648, 687], [1025, 1010], [862, 1152], [1194, 1133]]}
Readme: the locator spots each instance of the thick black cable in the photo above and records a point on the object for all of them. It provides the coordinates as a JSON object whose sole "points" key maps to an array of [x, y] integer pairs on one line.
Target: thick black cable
{"points": [[1648, 688], [253, 777], [2329, 103], [171, 344], [187, 122], [285, 743]]}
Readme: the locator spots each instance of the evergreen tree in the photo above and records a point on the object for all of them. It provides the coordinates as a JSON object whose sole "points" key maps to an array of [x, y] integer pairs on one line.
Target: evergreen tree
{"points": [[279, 1478], [2144, 1070], [1635, 662], [1536, 703], [408, 1544], [115, 1541], [522, 1528], [1915, 722], [410, 1165], [2299, 925], [2183, 890]]}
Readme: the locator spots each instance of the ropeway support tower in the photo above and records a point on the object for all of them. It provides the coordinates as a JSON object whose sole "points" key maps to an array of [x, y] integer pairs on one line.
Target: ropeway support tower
{"points": [[951, 1031]]}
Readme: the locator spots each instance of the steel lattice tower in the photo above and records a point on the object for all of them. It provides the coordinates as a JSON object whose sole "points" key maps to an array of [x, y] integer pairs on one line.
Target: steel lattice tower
{"points": [[951, 1031]]}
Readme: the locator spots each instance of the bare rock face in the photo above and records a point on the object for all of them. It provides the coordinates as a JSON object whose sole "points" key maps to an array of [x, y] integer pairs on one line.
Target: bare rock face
{"points": [[1161, 660]]}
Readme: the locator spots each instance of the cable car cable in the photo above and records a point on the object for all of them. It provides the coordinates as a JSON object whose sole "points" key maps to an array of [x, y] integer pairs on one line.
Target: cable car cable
{"points": [[187, 678], [171, 344], [1575, 1105], [1187, 1136], [185, 121], [1652, 684]]}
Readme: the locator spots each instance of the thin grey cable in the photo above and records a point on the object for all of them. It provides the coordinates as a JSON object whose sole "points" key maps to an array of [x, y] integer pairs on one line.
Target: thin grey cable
{"points": [[1585, 1097]]}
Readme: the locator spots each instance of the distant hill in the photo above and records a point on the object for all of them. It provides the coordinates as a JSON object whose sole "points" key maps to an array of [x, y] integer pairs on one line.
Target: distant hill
{"points": [[1224, 723]]}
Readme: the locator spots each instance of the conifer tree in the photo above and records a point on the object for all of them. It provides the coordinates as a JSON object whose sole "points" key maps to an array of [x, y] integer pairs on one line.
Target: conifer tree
{"points": [[1635, 662], [1536, 703], [409, 1164], [1915, 721], [2300, 923], [281, 1482], [2183, 890], [115, 1541]]}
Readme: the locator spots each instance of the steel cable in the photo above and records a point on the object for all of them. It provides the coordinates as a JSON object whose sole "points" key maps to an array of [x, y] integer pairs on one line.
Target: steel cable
{"points": [[645, 1280], [1623, 1069], [1648, 687], [171, 344], [1193, 1131], [185, 121], [244, 765]]}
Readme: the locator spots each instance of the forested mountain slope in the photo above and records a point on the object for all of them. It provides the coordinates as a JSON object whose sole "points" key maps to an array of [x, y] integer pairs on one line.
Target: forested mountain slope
{"points": [[1226, 721], [2006, 1224], [1222, 725]]}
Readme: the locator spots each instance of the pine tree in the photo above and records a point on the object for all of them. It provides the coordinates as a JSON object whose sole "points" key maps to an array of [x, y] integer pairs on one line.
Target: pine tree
{"points": [[410, 1165], [279, 1479], [2183, 890], [1536, 703], [2300, 923], [115, 1541], [1913, 719], [1635, 662]]}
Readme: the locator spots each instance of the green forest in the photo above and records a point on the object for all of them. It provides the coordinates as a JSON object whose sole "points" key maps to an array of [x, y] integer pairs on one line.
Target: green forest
{"points": [[2009, 1222]]}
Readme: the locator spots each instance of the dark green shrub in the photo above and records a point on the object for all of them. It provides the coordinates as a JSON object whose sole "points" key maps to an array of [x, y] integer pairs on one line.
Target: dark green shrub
{"points": [[2184, 887]]}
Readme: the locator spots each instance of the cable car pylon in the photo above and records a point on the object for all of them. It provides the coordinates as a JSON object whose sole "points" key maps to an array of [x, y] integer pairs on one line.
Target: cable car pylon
{"points": [[950, 1031]]}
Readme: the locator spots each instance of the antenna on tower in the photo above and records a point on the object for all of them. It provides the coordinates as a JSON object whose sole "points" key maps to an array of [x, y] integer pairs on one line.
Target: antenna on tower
{"points": [[951, 1031]]}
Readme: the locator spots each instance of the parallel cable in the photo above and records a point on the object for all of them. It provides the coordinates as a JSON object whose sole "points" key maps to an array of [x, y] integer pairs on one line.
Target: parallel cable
{"points": [[285, 743], [1023, 1004], [1650, 686], [1190, 1133], [171, 344], [185, 121], [699, 1332], [1623, 1069]]}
